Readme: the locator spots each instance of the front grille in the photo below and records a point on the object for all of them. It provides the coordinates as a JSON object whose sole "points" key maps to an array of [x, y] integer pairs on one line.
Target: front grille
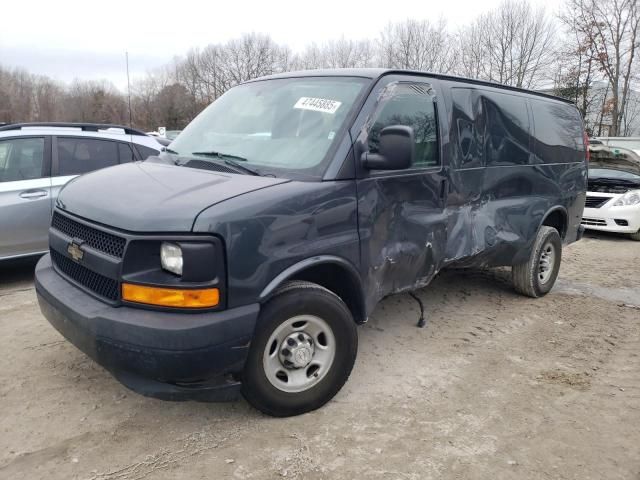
{"points": [[595, 222], [602, 188], [99, 284], [595, 202], [97, 239]]}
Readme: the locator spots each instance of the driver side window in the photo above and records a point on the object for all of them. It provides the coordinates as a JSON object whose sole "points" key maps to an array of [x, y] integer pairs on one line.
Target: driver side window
{"points": [[410, 104], [21, 159]]}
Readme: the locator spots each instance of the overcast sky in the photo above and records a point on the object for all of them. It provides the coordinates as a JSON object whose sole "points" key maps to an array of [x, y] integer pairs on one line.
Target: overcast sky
{"points": [[69, 39]]}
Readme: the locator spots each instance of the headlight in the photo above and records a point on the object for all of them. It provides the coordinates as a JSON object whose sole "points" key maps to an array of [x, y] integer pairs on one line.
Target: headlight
{"points": [[171, 257], [632, 197]]}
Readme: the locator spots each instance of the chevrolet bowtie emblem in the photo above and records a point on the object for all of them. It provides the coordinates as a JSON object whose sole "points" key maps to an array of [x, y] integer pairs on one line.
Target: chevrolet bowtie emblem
{"points": [[74, 250]]}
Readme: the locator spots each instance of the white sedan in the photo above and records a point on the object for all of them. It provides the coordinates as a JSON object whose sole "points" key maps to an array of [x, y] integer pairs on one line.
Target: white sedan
{"points": [[613, 194]]}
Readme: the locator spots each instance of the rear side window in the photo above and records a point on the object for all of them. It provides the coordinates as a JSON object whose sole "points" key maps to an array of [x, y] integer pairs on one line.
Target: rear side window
{"points": [[411, 105], [146, 152], [467, 127], [21, 159], [81, 155], [126, 154], [558, 132], [490, 128], [507, 129]]}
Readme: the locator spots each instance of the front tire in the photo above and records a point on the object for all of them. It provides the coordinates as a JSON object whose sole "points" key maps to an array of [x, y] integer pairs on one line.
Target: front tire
{"points": [[302, 353], [635, 236], [535, 277]]}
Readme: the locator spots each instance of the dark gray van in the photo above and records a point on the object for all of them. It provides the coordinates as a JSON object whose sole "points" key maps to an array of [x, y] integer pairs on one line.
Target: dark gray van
{"points": [[243, 258]]}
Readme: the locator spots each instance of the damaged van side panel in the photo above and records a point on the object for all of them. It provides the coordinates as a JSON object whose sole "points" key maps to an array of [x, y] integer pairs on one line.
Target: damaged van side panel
{"points": [[496, 182], [487, 175], [402, 224]]}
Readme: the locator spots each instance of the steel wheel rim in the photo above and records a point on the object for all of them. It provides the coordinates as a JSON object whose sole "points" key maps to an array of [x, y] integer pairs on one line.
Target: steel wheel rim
{"points": [[546, 262], [315, 342]]}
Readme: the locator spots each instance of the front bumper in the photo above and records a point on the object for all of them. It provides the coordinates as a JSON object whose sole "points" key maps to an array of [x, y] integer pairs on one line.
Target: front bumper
{"points": [[612, 219], [174, 356]]}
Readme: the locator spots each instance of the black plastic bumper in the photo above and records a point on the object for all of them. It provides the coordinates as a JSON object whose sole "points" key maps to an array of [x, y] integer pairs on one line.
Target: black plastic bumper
{"points": [[174, 356]]}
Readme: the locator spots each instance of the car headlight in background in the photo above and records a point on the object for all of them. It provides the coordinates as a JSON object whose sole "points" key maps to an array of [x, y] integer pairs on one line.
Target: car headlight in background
{"points": [[632, 197], [171, 257]]}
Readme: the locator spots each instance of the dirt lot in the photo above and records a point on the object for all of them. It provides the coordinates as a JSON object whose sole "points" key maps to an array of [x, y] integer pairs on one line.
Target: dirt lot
{"points": [[497, 386]]}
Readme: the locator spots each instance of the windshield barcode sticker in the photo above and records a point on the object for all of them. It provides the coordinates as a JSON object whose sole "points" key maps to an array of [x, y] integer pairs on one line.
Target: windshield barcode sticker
{"points": [[318, 104]]}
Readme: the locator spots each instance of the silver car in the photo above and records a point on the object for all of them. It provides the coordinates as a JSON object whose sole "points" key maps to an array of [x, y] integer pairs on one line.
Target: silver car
{"points": [[37, 159]]}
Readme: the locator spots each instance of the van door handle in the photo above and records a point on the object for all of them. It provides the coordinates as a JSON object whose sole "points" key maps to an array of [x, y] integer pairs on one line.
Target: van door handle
{"points": [[444, 188], [33, 194]]}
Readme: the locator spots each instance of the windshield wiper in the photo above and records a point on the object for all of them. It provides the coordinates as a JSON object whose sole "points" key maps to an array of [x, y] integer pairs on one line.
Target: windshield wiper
{"points": [[229, 159], [234, 164], [219, 155], [168, 150]]}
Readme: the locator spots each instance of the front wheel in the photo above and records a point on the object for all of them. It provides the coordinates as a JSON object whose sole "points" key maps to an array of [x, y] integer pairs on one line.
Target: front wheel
{"points": [[635, 236], [536, 276], [302, 353]]}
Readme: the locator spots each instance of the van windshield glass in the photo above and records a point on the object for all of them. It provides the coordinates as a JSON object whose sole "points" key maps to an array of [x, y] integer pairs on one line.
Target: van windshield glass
{"points": [[281, 126]]}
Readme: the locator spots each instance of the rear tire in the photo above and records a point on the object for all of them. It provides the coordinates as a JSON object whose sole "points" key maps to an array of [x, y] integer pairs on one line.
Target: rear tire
{"points": [[635, 236], [535, 277], [302, 352]]}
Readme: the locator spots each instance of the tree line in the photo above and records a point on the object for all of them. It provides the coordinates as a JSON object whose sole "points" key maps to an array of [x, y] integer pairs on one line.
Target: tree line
{"points": [[588, 54]]}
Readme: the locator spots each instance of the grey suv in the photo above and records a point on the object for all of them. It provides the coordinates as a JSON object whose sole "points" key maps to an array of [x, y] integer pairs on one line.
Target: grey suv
{"points": [[38, 159]]}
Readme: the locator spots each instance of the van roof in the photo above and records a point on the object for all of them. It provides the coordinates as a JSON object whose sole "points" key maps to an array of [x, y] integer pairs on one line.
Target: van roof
{"points": [[375, 73]]}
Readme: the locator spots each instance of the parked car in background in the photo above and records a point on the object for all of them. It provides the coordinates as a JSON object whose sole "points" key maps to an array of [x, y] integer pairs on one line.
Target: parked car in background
{"points": [[629, 143], [247, 252], [37, 159], [165, 142], [161, 139], [613, 193], [172, 134]]}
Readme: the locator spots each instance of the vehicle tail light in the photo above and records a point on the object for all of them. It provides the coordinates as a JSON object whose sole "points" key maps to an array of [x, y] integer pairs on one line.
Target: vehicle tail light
{"points": [[587, 154]]}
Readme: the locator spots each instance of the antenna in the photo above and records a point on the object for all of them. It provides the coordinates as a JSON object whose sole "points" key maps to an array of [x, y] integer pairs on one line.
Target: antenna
{"points": [[128, 89]]}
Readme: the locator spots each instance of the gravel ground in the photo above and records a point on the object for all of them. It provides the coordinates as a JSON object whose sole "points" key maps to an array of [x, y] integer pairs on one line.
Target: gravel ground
{"points": [[497, 386]]}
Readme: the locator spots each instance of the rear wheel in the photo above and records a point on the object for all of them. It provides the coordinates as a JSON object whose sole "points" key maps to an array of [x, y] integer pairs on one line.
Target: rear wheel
{"points": [[635, 236], [302, 353], [536, 276]]}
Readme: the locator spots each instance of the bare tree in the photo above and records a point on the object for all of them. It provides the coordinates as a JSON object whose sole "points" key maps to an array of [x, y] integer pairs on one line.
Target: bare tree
{"points": [[473, 58], [512, 44], [251, 56], [631, 115], [341, 53], [611, 27], [577, 77], [417, 45]]}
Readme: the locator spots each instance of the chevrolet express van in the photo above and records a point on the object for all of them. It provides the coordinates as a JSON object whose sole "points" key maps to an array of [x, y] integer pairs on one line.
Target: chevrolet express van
{"points": [[243, 257]]}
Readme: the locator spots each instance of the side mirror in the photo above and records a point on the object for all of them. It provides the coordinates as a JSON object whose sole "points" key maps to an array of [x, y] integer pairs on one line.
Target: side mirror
{"points": [[395, 152]]}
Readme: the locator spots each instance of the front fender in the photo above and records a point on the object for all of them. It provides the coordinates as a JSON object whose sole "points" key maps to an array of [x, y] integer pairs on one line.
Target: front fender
{"points": [[303, 265]]}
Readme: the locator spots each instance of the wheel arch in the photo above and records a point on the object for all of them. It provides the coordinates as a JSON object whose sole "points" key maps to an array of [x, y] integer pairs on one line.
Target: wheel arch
{"points": [[557, 218], [331, 272]]}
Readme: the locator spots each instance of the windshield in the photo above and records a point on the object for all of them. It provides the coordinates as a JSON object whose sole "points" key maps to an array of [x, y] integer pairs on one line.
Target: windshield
{"points": [[282, 126], [610, 173]]}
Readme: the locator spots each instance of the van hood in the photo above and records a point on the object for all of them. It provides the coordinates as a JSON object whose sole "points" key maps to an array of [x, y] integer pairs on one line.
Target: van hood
{"points": [[153, 197]]}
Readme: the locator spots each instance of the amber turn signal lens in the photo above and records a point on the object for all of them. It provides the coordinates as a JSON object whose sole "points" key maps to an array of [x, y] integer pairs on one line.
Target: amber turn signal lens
{"points": [[171, 297]]}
